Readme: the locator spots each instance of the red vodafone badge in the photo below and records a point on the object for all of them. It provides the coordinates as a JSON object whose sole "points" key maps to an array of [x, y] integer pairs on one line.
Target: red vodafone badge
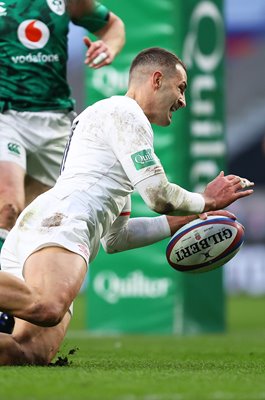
{"points": [[33, 34]]}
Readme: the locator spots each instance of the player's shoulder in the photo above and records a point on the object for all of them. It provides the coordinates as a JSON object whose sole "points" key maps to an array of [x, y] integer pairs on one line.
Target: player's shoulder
{"points": [[112, 107], [123, 103], [121, 111]]}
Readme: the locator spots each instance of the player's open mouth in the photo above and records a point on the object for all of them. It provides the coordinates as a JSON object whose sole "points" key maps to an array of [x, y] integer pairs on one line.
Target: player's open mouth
{"points": [[171, 110]]}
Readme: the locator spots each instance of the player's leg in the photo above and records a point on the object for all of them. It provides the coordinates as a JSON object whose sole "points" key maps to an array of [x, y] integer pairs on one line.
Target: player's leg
{"points": [[31, 344], [12, 167], [53, 277], [33, 188], [12, 196]]}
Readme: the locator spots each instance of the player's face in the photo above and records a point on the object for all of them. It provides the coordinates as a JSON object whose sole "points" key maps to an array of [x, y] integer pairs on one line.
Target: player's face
{"points": [[171, 96]]}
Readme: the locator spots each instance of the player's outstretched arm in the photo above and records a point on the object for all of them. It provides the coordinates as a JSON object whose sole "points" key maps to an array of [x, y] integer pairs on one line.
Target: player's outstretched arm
{"points": [[111, 39], [167, 198], [224, 190], [129, 233]]}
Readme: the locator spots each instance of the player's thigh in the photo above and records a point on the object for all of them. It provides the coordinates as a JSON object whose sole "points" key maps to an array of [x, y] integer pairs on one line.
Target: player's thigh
{"points": [[44, 164], [12, 184], [12, 161], [57, 274], [39, 345], [34, 188]]}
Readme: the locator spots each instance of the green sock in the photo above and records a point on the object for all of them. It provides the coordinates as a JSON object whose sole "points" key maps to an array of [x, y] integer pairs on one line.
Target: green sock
{"points": [[1, 243]]}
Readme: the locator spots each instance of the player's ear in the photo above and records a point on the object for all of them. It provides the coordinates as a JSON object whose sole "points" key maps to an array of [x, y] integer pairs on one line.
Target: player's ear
{"points": [[157, 79]]}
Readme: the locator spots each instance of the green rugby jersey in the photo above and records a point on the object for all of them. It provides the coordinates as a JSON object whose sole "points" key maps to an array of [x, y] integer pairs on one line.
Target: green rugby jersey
{"points": [[33, 53]]}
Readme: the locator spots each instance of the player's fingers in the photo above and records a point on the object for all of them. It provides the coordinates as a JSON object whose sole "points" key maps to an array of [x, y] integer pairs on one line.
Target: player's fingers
{"points": [[98, 56], [223, 213], [99, 59], [203, 216], [243, 193], [106, 61], [94, 49], [235, 182], [245, 183], [232, 177], [87, 41], [97, 47]]}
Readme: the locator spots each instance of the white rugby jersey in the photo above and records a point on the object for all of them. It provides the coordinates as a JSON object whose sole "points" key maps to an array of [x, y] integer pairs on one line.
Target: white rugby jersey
{"points": [[109, 152]]}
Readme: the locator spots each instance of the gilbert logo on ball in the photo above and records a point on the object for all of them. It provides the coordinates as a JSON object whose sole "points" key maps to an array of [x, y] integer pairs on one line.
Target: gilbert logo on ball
{"points": [[33, 34], [203, 245]]}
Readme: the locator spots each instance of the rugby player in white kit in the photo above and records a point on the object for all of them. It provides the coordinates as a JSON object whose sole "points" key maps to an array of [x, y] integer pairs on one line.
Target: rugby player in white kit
{"points": [[110, 154]]}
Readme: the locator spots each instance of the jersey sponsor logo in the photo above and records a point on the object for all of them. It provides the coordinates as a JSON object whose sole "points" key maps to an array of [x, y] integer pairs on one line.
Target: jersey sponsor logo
{"points": [[14, 148], [143, 159], [57, 6], [2, 9], [33, 34], [35, 58]]}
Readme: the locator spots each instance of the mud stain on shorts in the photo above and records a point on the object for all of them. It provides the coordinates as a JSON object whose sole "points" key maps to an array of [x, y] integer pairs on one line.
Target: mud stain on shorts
{"points": [[54, 220], [26, 218]]}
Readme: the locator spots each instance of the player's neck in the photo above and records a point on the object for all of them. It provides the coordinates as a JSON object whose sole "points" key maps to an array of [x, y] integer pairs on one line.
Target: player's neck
{"points": [[143, 100]]}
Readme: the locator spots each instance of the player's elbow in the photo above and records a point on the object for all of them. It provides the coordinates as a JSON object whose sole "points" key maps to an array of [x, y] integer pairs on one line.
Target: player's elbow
{"points": [[160, 206]]}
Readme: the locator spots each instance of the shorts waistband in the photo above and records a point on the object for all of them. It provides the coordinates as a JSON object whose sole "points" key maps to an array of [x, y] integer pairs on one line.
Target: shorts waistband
{"points": [[6, 105]]}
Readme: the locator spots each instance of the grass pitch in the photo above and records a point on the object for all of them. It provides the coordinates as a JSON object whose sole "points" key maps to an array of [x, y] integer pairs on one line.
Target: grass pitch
{"points": [[216, 367]]}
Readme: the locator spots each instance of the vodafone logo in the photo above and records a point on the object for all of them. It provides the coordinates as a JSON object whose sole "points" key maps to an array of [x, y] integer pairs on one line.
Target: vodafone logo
{"points": [[33, 34]]}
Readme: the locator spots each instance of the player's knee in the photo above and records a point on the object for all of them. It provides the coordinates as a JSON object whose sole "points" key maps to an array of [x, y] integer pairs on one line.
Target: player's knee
{"points": [[8, 215], [48, 314]]}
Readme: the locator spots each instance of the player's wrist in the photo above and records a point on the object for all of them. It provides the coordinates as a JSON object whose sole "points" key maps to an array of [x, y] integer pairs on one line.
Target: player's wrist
{"points": [[209, 203], [177, 222]]}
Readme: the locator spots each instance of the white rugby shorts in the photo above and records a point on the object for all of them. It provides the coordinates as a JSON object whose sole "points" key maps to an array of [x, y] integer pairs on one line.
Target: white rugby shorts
{"points": [[47, 221], [35, 141]]}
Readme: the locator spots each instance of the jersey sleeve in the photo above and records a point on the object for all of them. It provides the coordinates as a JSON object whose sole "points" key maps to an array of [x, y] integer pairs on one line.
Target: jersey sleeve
{"points": [[94, 21], [129, 233], [131, 140]]}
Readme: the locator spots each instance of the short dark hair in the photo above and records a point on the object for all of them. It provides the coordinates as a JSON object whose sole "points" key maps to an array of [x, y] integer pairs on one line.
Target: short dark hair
{"points": [[157, 56]]}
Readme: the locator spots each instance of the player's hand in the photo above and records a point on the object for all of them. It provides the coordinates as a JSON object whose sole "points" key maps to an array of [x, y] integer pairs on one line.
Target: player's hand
{"points": [[224, 190], [98, 53], [177, 222], [223, 213]]}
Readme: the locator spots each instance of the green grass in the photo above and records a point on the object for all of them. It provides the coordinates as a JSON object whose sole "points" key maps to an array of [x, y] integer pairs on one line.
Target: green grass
{"points": [[218, 367]]}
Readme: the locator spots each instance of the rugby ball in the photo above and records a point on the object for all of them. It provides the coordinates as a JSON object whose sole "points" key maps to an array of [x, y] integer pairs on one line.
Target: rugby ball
{"points": [[203, 245]]}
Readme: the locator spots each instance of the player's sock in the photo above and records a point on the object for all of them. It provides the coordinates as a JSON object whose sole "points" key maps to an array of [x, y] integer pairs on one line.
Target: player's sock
{"points": [[7, 323]]}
